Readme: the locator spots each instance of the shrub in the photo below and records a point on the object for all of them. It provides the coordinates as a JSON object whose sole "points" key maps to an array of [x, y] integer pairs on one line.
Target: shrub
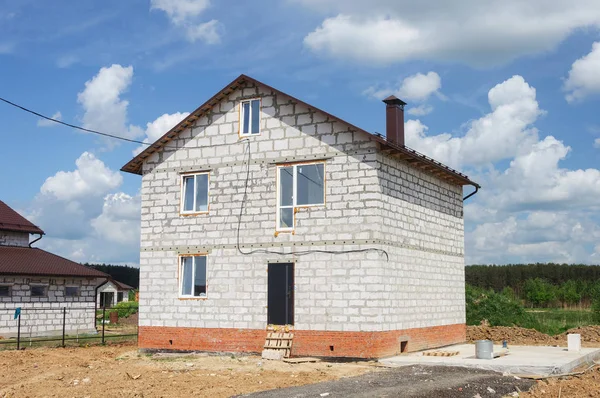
{"points": [[498, 309], [124, 308]]}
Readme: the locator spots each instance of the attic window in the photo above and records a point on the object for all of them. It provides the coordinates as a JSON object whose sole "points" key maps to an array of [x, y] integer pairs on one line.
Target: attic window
{"points": [[194, 193], [299, 185], [250, 117]]}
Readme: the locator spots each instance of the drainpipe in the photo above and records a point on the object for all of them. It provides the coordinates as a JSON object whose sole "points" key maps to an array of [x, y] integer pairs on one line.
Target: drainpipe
{"points": [[472, 193], [35, 240]]}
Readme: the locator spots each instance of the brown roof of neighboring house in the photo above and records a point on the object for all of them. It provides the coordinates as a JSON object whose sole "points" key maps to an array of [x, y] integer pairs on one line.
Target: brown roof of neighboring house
{"points": [[415, 158], [10, 220], [16, 260], [122, 286]]}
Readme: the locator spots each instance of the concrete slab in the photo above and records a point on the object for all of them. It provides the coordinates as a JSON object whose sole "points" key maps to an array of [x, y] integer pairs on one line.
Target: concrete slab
{"points": [[531, 360]]}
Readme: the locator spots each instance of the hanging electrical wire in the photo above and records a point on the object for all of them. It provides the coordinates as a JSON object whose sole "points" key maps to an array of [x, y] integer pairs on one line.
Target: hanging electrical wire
{"points": [[73, 125], [281, 253]]}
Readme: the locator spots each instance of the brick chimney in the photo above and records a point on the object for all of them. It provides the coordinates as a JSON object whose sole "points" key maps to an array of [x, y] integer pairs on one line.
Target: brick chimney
{"points": [[394, 120]]}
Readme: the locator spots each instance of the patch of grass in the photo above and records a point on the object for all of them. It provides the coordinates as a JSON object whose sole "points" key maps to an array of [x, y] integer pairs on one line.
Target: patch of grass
{"points": [[554, 321]]}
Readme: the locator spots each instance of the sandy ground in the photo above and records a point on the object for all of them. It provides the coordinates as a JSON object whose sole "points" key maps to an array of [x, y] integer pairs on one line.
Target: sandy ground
{"points": [[120, 371]]}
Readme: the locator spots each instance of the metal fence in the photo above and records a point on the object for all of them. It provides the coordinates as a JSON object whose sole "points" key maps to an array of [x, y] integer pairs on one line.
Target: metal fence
{"points": [[60, 326]]}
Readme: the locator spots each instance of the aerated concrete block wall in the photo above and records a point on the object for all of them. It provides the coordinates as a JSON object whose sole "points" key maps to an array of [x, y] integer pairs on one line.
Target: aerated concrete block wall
{"points": [[9, 238], [422, 219], [42, 316], [345, 292], [329, 288]]}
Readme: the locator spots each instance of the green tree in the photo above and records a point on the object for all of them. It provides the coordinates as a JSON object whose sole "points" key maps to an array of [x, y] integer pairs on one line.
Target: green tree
{"points": [[568, 293], [539, 292]]}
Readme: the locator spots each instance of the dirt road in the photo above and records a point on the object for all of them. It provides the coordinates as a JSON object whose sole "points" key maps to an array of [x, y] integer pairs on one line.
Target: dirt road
{"points": [[408, 382], [122, 372]]}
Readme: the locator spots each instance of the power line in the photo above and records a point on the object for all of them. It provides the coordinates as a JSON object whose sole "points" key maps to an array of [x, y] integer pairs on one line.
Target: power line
{"points": [[72, 125]]}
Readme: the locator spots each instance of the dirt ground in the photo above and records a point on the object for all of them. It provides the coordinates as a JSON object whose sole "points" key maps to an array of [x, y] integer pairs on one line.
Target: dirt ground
{"points": [[586, 385], [120, 371], [590, 335]]}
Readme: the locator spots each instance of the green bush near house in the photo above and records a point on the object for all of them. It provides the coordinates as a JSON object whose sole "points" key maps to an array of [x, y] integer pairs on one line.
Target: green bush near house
{"points": [[499, 309], [124, 309]]}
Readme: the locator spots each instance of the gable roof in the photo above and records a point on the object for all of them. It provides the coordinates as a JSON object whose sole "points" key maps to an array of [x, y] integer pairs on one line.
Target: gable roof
{"points": [[117, 284], [10, 220], [403, 152], [16, 260], [122, 286]]}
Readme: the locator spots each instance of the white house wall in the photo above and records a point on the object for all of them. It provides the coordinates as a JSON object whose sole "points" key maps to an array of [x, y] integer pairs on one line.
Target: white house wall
{"points": [[43, 315], [419, 286]]}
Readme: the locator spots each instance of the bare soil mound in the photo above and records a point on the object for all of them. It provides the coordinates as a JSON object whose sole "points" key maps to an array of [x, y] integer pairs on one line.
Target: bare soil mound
{"points": [[590, 335], [513, 335]]}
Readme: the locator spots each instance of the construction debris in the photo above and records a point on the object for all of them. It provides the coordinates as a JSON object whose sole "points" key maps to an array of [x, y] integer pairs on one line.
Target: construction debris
{"points": [[440, 353]]}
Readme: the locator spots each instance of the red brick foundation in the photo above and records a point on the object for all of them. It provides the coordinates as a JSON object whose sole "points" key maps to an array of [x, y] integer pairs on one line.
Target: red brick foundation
{"points": [[306, 342]]}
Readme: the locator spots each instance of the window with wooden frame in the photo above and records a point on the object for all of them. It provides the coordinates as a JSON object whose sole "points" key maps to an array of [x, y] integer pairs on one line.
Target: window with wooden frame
{"points": [[194, 193], [5, 291], [250, 117], [298, 185], [192, 276]]}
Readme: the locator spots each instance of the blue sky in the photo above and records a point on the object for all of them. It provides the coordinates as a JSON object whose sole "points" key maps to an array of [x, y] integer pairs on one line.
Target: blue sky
{"points": [[507, 93]]}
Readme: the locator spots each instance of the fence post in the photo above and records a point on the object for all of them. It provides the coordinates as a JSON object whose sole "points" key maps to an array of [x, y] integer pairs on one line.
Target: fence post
{"points": [[64, 325], [19, 333], [103, 323]]}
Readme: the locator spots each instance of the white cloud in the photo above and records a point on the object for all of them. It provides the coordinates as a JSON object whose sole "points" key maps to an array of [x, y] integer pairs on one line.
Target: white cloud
{"points": [[477, 33], [49, 123], [420, 110], [90, 178], [207, 32], [539, 236], [501, 134], [180, 10], [120, 219], [157, 128], [531, 208], [185, 13], [597, 143], [101, 100], [584, 76], [84, 215], [417, 87]]}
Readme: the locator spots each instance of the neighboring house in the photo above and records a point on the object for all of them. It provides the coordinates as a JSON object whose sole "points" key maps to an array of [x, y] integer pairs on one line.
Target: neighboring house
{"points": [[112, 292], [259, 209], [41, 284]]}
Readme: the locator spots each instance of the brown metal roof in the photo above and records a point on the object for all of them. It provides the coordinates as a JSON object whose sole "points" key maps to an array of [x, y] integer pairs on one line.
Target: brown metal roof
{"points": [[415, 158], [16, 260], [122, 286], [10, 220]]}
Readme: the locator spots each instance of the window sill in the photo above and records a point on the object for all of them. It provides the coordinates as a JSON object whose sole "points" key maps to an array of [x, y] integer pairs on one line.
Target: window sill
{"points": [[192, 298], [199, 213]]}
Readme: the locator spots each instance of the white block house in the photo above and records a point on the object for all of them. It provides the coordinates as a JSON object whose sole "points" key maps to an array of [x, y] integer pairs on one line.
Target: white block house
{"points": [[41, 284], [259, 209]]}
